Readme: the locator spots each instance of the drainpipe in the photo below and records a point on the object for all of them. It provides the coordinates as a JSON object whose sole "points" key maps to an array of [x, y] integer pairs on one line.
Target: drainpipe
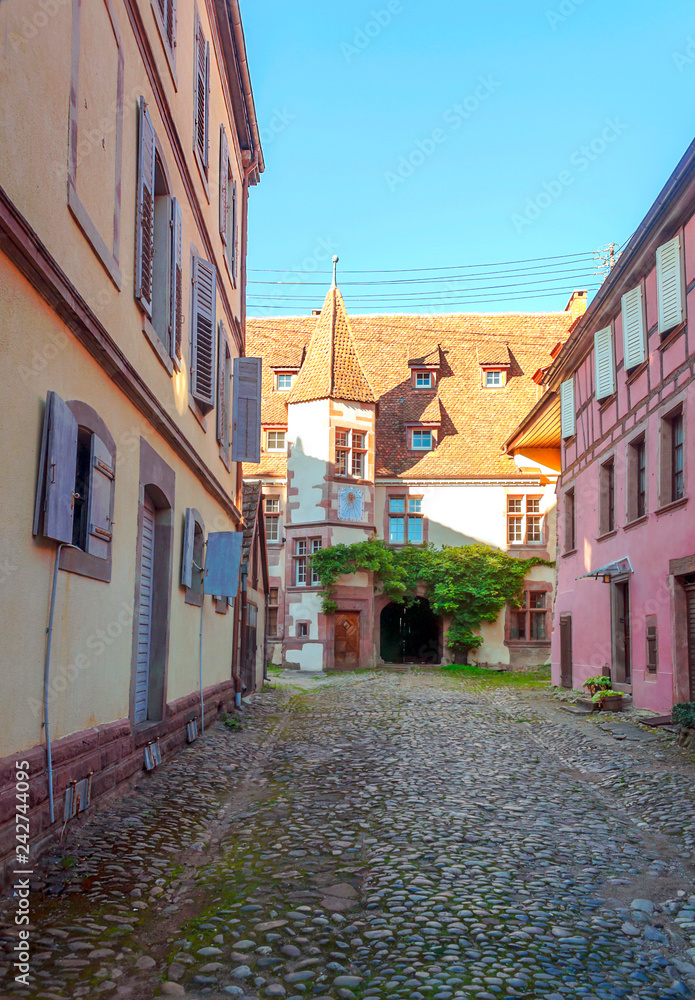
{"points": [[200, 643], [47, 676]]}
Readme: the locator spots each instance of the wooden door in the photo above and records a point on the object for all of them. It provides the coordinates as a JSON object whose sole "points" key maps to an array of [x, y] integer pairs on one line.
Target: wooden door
{"points": [[347, 638], [143, 618], [690, 616], [566, 651]]}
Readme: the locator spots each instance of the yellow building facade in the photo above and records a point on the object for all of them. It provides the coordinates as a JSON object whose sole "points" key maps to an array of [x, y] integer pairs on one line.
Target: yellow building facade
{"points": [[123, 206]]}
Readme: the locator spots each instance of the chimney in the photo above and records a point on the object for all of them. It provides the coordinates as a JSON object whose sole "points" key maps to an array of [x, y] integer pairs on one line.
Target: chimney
{"points": [[576, 306], [315, 312]]}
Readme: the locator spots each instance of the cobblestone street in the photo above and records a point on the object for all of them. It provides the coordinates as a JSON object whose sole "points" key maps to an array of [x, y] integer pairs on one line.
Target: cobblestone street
{"points": [[410, 835]]}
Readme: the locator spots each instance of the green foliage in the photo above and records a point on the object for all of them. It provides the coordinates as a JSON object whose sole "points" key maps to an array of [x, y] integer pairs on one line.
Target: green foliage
{"points": [[684, 714], [606, 693], [469, 583], [233, 722], [599, 683]]}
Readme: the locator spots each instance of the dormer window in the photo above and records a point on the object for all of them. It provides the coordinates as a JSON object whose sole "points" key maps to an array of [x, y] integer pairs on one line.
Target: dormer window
{"points": [[423, 379], [422, 439], [284, 381], [494, 378]]}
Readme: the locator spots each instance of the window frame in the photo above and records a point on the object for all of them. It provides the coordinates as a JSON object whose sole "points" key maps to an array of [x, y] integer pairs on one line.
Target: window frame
{"points": [[161, 19], [608, 522], [407, 516], [273, 606], [530, 613], [522, 518], [570, 520], [290, 375], [672, 476], [412, 431], [272, 516], [637, 481], [275, 430], [346, 451], [301, 562], [420, 373], [487, 372]]}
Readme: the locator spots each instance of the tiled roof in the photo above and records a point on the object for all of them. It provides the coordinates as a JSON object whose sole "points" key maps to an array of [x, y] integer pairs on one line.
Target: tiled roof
{"points": [[475, 421], [332, 367], [249, 508], [493, 352]]}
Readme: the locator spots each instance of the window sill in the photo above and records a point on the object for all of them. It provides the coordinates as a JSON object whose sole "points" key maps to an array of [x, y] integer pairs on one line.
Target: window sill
{"points": [[604, 403], [633, 375], [533, 643], [221, 605], [352, 480], [197, 412], [84, 564], [194, 598], [148, 731], [671, 336], [607, 534], [637, 521], [275, 545], [569, 552], [668, 507], [299, 589], [157, 345], [202, 171], [225, 457]]}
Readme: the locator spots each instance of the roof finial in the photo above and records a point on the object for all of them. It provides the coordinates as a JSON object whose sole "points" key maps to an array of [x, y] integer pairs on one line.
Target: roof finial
{"points": [[336, 258]]}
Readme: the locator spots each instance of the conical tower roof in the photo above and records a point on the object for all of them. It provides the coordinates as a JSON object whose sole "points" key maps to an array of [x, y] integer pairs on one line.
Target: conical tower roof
{"points": [[332, 368]]}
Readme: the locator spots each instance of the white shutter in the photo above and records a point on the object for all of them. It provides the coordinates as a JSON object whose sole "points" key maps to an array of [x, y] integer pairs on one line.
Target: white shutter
{"points": [[634, 345], [604, 362], [567, 411], [224, 182], [669, 284], [176, 290], [246, 410], [203, 332], [144, 253]]}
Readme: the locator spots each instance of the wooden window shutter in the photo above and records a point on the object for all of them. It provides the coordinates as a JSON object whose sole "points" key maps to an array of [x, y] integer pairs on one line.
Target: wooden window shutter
{"points": [[54, 508], [144, 253], [246, 410], [202, 85], [634, 345], [176, 276], [102, 476], [171, 23], [652, 644], [203, 333], [207, 104], [223, 386], [187, 554], [235, 252], [224, 182], [604, 363], [669, 284], [567, 410]]}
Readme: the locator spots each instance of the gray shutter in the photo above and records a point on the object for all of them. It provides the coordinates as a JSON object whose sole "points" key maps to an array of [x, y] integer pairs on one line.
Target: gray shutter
{"points": [[171, 23], [187, 556], [669, 284], [235, 202], [203, 333], [102, 476], [604, 363], [60, 468], [567, 410], [224, 182], [176, 275], [196, 80], [222, 379], [634, 346], [222, 563], [207, 106], [144, 253], [246, 410]]}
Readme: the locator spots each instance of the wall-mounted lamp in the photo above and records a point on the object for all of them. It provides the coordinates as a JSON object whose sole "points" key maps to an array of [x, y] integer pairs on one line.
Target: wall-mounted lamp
{"points": [[606, 578]]}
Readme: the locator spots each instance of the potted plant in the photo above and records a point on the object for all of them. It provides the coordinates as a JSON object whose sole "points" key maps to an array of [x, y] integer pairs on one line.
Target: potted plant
{"points": [[609, 700], [683, 715], [596, 684]]}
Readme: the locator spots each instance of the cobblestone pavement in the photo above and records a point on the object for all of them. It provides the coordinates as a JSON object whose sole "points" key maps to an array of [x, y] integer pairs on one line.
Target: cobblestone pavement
{"points": [[382, 836]]}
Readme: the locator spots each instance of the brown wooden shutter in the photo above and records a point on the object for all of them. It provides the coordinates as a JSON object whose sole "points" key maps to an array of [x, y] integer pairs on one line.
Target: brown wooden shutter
{"points": [[144, 258], [224, 182], [171, 23], [652, 645], [176, 274], [54, 508], [203, 333], [102, 475], [202, 56], [246, 410]]}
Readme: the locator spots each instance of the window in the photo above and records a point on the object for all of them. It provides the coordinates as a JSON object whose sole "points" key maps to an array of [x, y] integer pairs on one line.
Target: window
{"points": [[272, 518], [405, 520], [201, 110], [275, 441], [637, 478], [422, 440], [75, 495], [672, 458], [315, 578], [524, 521], [570, 522], [228, 206], [423, 380], [300, 562], [652, 637], [273, 602], [607, 497], [529, 620], [193, 559], [158, 287], [284, 382], [303, 630], [350, 453], [493, 380]]}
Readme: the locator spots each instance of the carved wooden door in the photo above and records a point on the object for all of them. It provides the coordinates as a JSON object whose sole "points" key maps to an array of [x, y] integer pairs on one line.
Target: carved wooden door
{"points": [[347, 638]]}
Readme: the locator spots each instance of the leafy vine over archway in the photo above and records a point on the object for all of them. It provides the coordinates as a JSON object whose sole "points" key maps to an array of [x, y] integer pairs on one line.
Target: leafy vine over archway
{"points": [[469, 583]]}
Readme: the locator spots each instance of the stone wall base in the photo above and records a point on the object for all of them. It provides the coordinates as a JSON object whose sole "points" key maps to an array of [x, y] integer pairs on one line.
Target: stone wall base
{"points": [[113, 752]]}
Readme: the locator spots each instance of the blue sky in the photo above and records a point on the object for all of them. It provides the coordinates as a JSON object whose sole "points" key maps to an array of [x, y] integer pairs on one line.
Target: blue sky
{"points": [[402, 134]]}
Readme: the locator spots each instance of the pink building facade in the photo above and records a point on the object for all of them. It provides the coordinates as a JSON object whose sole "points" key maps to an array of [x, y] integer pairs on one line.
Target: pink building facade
{"points": [[624, 386]]}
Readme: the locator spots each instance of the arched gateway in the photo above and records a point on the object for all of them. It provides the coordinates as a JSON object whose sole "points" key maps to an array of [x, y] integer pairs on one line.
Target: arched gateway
{"points": [[410, 633]]}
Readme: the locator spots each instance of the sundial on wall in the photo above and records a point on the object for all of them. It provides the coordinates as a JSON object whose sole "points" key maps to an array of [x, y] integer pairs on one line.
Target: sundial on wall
{"points": [[351, 503]]}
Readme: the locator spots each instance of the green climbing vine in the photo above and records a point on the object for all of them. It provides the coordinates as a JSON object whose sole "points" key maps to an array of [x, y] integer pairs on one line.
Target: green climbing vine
{"points": [[469, 583]]}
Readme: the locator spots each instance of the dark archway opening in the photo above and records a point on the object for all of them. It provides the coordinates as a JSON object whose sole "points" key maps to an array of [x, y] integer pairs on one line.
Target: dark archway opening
{"points": [[410, 633]]}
